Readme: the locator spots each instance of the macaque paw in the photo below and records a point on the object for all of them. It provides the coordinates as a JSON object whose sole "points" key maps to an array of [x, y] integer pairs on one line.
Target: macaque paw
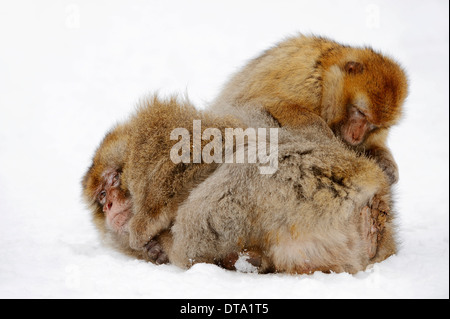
{"points": [[156, 253], [391, 171], [388, 165], [379, 204], [373, 222]]}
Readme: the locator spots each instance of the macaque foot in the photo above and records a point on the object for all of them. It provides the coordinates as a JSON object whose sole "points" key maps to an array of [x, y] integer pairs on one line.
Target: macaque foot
{"points": [[156, 253], [373, 220], [248, 261]]}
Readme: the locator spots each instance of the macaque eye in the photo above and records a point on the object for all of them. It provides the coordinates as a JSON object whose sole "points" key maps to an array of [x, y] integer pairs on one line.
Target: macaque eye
{"points": [[116, 179], [101, 197], [354, 111]]}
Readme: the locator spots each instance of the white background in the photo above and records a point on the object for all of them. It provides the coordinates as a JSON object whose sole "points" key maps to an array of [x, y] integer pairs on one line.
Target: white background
{"points": [[69, 70]]}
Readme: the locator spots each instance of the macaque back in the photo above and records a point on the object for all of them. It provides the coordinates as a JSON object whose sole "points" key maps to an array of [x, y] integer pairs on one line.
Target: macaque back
{"points": [[358, 92], [320, 211]]}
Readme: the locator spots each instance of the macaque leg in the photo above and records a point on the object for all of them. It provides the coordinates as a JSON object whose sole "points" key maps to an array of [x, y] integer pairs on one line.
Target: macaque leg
{"points": [[369, 231], [373, 220]]}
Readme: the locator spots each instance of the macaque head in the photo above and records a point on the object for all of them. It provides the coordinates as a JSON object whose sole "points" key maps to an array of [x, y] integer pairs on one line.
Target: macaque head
{"points": [[375, 88], [114, 202], [103, 191], [355, 127]]}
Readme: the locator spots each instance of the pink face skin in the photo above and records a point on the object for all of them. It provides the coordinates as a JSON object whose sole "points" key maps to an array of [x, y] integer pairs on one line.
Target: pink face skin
{"points": [[116, 206], [356, 127]]}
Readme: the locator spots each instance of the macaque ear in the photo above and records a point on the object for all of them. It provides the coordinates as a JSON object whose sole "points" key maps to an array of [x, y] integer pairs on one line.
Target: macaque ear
{"points": [[353, 67]]}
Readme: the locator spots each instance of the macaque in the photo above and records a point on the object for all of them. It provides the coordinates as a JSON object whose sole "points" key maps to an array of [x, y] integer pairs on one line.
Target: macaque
{"points": [[134, 188], [325, 208], [358, 92]]}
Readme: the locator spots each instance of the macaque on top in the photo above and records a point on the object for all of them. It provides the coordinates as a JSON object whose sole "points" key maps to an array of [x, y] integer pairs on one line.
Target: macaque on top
{"points": [[358, 92]]}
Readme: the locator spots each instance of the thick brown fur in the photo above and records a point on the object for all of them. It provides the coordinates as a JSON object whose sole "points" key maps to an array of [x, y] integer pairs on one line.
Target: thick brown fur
{"points": [[325, 208], [308, 74], [139, 150], [316, 212], [310, 215]]}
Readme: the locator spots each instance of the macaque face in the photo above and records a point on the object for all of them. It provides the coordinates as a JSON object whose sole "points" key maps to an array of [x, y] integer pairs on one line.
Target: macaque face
{"points": [[355, 127], [115, 204], [373, 94]]}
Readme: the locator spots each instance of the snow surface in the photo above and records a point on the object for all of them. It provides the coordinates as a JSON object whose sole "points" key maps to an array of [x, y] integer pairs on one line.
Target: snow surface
{"points": [[243, 265], [69, 70]]}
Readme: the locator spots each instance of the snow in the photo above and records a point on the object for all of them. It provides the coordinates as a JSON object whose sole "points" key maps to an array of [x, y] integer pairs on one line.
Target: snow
{"points": [[69, 70], [243, 265]]}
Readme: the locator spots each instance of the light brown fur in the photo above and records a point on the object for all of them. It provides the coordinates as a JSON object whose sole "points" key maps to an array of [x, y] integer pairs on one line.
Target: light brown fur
{"points": [[307, 76], [139, 150], [312, 214]]}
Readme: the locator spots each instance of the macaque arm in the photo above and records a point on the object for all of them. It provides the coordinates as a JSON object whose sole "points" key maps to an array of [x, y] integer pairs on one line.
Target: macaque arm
{"points": [[144, 226], [375, 147], [292, 115]]}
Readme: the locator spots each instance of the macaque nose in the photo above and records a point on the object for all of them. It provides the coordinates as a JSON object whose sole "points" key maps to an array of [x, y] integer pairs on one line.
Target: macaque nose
{"points": [[107, 206]]}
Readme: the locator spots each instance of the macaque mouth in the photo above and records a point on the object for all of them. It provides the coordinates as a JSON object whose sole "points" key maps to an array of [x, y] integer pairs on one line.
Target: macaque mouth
{"points": [[355, 139], [119, 221], [117, 210], [354, 132]]}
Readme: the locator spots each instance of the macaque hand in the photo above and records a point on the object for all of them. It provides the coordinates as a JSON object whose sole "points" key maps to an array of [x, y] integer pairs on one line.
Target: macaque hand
{"points": [[142, 237], [149, 244], [390, 169], [386, 161], [140, 232], [155, 252]]}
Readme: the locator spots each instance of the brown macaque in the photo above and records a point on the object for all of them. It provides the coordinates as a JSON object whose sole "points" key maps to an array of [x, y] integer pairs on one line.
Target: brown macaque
{"points": [[325, 208], [358, 92], [134, 188]]}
